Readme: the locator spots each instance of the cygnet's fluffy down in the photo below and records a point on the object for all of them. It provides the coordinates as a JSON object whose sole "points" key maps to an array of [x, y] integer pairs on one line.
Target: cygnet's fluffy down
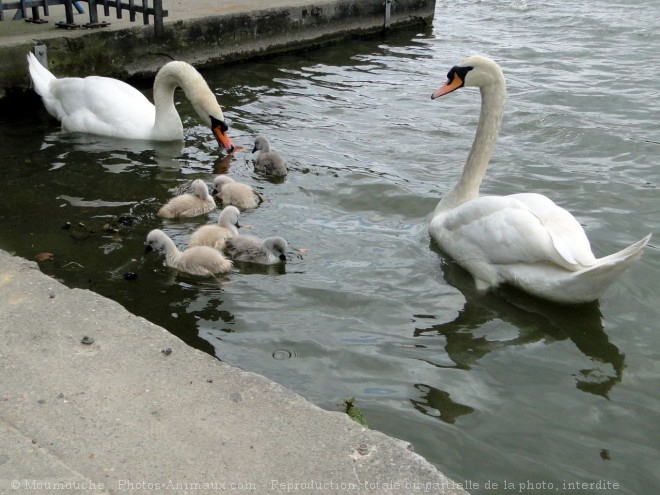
{"points": [[197, 260], [255, 250], [235, 193], [188, 205], [215, 235], [268, 162]]}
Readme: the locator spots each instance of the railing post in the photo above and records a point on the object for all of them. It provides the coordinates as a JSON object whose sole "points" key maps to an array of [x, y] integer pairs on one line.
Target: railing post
{"points": [[158, 18], [132, 6], [145, 12], [93, 14], [131, 10], [68, 11]]}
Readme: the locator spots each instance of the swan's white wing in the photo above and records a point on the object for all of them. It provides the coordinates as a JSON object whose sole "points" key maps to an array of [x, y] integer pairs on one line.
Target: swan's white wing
{"points": [[501, 230], [568, 236], [101, 105]]}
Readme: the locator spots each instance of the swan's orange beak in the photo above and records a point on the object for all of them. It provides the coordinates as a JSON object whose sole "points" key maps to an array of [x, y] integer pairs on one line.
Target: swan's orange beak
{"points": [[220, 128], [451, 85]]}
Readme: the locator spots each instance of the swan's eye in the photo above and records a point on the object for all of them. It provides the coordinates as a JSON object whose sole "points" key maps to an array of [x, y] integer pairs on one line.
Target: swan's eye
{"points": [[462, 72]]}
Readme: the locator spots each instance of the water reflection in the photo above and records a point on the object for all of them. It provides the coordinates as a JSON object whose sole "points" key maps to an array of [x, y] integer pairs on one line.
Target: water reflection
{"points": [[535, 320], [123, 153], [438, 403]]}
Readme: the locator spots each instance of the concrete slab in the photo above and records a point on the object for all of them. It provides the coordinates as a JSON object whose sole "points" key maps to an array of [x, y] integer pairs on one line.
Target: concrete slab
{"points": [[119, 414]]}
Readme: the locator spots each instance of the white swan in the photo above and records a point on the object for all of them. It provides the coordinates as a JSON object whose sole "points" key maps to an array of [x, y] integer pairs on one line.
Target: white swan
{"points": [[268, 162], [251, 248], [525, 239], [198, 260], [110, 107], [215, 235], [189, 205], [235, 193]]}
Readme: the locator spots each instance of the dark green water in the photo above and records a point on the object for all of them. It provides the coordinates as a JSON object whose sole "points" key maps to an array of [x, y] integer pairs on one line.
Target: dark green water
{"points": [[489, 388]]}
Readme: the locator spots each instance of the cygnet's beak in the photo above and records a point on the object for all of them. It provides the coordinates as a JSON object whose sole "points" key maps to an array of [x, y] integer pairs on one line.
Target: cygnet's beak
{"points": [[148, 249], [220, 128]]}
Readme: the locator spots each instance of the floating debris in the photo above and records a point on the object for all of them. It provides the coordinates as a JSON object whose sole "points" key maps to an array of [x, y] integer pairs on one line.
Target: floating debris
{"points": [[44, 257], [127, 219], [87, 340], [80, 231], [167, 351]]}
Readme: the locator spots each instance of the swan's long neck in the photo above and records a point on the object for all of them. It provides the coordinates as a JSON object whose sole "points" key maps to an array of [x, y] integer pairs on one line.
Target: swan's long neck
{"points": [[493, 97], [168, 123], [180, 74]]}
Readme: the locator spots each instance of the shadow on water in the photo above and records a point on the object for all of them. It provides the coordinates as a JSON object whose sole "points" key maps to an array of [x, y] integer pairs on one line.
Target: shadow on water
{"points": [[536, 321]]}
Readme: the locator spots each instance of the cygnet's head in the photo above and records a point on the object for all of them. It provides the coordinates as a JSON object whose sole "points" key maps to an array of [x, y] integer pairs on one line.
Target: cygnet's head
{"points": [[200, 189], [261, 143], [156, 241], [276, 245], [220, 181], [229, 216]]}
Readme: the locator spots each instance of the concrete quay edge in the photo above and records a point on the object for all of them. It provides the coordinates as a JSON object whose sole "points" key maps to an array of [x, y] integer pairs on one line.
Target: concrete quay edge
{"points": [[215, 32], [119, 414]]}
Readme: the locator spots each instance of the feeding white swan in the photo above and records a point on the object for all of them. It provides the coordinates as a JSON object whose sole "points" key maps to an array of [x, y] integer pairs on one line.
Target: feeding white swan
{"points": [[190, 204], [235, 193], [251, 248], [215, 235], [268, 162], [197, 260], [524, 239], [110, 107]]}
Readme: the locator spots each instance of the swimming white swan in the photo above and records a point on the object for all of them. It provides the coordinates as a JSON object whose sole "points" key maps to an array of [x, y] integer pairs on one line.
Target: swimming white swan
{"points": [[197, 260], [251, 248], [235, 193], [524, 239], [268, 162], [215, 235], [110, 107], [190, 204]]}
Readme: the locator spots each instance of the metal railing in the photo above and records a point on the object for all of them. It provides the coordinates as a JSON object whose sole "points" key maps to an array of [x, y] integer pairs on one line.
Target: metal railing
{"points": [[133, 7]]}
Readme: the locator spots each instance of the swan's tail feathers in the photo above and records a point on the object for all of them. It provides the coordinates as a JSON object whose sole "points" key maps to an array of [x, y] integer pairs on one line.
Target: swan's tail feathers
{"points": [[594, 281], [629, 254], [41, 77]]}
